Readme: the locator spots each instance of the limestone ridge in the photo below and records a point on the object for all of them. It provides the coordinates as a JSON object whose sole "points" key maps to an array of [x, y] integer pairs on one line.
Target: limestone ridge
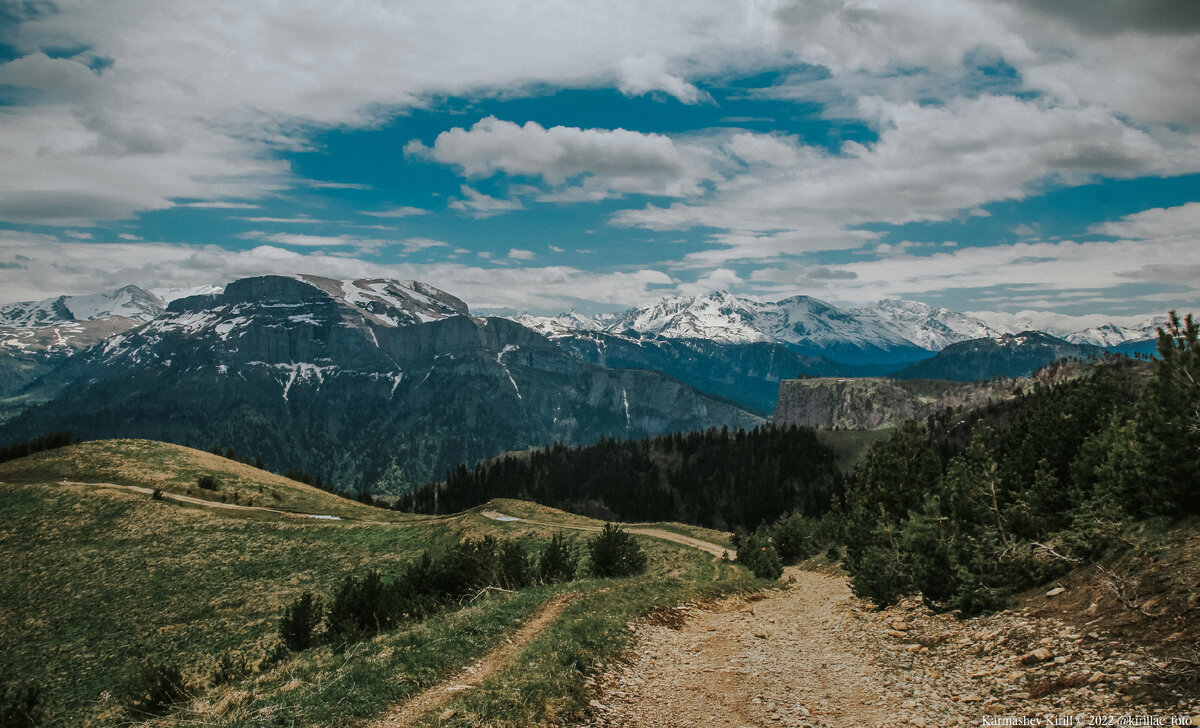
{"points": [[373, 384], [873, 403]]}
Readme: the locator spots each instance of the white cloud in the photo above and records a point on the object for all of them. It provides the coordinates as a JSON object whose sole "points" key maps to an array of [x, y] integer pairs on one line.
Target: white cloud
{"points": [[931, 163], [413, 245], [1043, 267], [298, 220], [194, 100], [477, 204], [364, 245], [519, 254], [1158, 223], [644, 74], [70, 267], [616, 160], [403, 211], [218, 205]]}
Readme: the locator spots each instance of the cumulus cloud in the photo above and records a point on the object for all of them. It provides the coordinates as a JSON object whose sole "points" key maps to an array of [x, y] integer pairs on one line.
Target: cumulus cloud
{"points": [[930, 163], [188, 101], [615, 160], [1159, 223]]}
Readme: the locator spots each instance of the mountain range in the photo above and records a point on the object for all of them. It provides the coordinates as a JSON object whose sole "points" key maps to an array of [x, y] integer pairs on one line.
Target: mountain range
{"points": [[884, 334], [381, 385], [371, 384]]}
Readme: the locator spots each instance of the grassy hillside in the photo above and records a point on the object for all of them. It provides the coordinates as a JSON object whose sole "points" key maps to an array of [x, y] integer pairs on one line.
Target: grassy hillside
{"points": [[100, 581], [177, 469]]}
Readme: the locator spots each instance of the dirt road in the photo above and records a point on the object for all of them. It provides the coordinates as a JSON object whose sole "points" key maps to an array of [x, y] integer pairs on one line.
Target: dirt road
{"points": [[813, 655], [785, 659]]}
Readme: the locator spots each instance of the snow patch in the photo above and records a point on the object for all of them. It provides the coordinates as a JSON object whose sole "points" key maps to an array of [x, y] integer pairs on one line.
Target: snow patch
{"points": [[499, 360]]}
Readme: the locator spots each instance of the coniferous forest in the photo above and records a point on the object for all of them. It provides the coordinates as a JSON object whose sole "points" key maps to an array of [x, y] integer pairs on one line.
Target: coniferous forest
{"points": [[717, 478], [969, 511], [964, 508]]}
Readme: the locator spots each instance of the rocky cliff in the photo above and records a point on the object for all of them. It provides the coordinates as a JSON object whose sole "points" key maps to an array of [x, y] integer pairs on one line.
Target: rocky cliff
{"points": [[873, 403]]}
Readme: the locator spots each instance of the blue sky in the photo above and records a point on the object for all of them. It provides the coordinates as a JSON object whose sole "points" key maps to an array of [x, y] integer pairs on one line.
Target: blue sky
{"points": [[990, 155]]}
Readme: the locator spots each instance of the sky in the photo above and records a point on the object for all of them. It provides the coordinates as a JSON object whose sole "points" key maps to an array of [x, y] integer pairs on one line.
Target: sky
{"points": [[982, 155]]}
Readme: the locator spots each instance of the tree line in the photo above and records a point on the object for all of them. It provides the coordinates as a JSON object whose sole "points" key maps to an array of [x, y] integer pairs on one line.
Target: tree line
{"points": [[715, 478]]}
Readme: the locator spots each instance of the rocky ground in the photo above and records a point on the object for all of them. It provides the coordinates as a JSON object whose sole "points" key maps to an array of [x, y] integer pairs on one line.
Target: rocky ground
{"points": [[812, 654]]}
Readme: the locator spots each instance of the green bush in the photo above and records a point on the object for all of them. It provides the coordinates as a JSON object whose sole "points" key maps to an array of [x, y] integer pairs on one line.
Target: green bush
{"points": [[360, 609], [207, 482], [299, 624], [615, 553], [796, 537], [559, 561], [759, 555]]}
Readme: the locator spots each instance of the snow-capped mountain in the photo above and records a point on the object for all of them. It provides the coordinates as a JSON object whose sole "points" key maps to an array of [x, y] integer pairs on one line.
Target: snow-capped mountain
{"points": [[719, 316], [128, 302], [1008, 355], [888, 331], [170, 294], [372, 383], [1113, 336], [805, 324], [926, 326], [1094, 329], [564, 323], [36, 336]]}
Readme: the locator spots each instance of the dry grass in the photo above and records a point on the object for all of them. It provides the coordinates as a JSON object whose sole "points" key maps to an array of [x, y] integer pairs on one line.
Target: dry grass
{"points": [[175, 469]]}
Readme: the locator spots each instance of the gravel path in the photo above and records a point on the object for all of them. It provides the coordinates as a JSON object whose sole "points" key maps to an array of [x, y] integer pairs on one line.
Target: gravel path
{"points": [[813, 655]]}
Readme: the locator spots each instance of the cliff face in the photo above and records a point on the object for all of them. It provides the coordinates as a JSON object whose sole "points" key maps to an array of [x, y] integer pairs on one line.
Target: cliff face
{"points": [[872, 403]]}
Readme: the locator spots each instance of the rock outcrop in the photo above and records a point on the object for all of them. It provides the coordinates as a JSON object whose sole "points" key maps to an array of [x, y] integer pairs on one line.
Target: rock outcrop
{"points": [[872, 403]]}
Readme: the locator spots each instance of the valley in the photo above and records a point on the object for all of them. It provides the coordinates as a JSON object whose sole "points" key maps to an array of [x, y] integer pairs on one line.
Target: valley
{"points": [[1015, 539]]}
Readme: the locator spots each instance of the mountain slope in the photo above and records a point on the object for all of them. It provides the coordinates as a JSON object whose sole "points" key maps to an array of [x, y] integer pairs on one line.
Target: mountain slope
{"points": [[36, 336], [748, 373], [128, 302], [1008, 355], [369, 384]]}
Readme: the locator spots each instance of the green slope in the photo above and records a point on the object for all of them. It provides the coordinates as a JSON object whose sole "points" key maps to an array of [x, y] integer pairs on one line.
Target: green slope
{"points": [[100, 580]]}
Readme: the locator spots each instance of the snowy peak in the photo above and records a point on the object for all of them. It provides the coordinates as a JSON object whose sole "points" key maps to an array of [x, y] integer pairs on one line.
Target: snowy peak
{"points": [[926, 326], [1112, 335], [804, 323], [128, 302], [563, 324], [392, 302], [719, 316]]}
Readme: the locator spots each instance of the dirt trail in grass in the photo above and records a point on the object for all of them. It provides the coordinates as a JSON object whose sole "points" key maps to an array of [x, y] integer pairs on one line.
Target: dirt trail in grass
{"points": [[200, 501], [432, 698], [679, 538]]}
